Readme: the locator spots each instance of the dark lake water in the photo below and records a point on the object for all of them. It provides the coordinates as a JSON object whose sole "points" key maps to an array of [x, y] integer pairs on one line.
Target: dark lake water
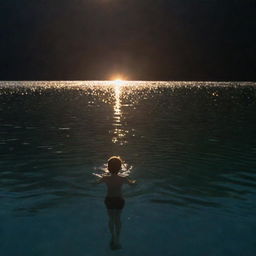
{"points": [[191, 146]]}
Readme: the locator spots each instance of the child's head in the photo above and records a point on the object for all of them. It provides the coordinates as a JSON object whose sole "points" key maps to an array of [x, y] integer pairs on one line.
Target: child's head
{"points": [[114, 164]]}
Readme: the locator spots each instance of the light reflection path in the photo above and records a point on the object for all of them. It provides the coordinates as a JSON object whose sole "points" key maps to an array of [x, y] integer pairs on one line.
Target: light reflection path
{"points": [[119, 133]]}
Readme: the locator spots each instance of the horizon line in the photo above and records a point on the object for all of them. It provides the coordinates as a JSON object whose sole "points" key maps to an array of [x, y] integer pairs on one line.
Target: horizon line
{"points": [[101, 80]]}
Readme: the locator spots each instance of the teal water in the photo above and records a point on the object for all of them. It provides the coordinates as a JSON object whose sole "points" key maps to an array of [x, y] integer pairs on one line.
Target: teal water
{"points": [[190, 145]]}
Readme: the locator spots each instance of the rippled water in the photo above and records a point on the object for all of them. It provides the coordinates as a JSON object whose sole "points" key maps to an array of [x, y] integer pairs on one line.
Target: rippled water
{"points": [[190, 145]]}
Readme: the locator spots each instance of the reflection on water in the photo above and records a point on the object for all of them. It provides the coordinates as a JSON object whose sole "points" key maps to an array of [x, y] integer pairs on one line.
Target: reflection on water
{"points": [[192, 144], [118, 133]]}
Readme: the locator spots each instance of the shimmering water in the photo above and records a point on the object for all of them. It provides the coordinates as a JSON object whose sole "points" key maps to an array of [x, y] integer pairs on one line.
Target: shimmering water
{"points": [[190, 145]]}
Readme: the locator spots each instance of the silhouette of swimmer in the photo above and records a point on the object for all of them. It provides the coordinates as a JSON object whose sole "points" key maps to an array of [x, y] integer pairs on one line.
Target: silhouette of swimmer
{"points": [[114, 200]]}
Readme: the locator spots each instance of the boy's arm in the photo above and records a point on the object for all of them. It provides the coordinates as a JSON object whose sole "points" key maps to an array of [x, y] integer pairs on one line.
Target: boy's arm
{"points": [[130, 182], [100, 180]]}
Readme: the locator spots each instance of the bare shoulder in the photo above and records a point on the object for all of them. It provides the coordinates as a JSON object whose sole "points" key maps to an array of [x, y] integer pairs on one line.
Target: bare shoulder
{"points": [[106, 177]]}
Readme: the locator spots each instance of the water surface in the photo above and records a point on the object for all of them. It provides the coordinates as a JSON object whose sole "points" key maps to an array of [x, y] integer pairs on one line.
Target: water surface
{"points": [[190, 145]]}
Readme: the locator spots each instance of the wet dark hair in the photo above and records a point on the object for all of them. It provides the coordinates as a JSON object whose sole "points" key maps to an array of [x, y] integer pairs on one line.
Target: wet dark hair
{"points": [[114, 164]]}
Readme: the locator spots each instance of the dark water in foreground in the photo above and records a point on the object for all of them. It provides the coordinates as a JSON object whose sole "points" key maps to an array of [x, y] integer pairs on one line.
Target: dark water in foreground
{"points": [[191, 146]]}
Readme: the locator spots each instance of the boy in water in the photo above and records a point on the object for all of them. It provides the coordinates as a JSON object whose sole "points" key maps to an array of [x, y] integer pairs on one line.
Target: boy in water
{"points": [[114, 200]]}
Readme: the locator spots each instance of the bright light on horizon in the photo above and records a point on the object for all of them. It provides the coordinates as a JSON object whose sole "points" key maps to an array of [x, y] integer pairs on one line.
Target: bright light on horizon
{"points": [[118, 79]]}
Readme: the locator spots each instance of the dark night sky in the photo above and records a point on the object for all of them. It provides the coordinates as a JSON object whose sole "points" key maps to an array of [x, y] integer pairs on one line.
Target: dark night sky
{"points": [[142, 39]]}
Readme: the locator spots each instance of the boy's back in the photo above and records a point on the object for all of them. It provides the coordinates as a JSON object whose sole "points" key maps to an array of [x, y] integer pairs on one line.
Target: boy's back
{"points": [[114, 184]]}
